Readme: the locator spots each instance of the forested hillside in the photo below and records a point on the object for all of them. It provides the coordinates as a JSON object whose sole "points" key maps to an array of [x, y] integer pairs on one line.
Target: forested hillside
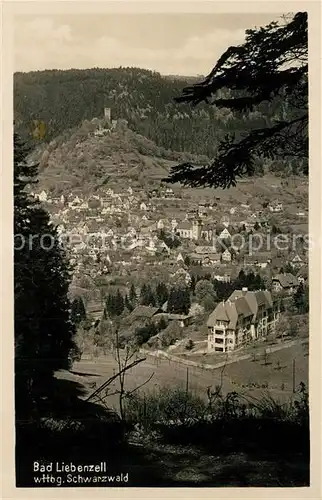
{"points": [[77, 158], [64, 99]]}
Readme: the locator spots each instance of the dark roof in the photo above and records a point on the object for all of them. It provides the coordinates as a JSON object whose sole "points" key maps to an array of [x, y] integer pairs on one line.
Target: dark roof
{"points": [[269, 298], [303, 272], [208, 227], [286, 280], [212, 256], [183, 225], [254, 299], [242, 307], [219, 313], [263, 256], [196, 256], [144, 312], [277, 262], [200, 271], [229, 311]]}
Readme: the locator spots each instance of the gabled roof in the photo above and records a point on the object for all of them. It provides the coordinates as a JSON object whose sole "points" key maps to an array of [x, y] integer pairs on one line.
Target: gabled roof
{"points": [[254, 299], [221, 227], [263, 256], [204, 249], [286, 280], [219, 314], [296, 258], [222, 271], [144, 312], [268, 298], [183, 225], [213, 256], [242, 307], [200, 271], [196, 256], [303, 272], [261, 298], [230, 311]]}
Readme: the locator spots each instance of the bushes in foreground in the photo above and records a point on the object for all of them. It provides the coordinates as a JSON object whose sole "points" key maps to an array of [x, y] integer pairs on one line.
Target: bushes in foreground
{"points": [[181, 406], [223, 423], [262, 429]]}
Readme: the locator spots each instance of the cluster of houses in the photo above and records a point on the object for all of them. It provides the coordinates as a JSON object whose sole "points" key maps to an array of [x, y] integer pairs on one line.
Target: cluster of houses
{"points": [[164, 194], [246, 316], [119, 229], [113, 230], [124, 227]]}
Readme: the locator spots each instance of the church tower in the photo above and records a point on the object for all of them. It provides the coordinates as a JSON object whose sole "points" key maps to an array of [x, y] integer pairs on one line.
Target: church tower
{"points": [[196, 229]]}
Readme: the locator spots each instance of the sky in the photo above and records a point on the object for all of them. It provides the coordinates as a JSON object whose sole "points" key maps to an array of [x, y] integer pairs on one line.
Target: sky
{"points": [[180, 44]]}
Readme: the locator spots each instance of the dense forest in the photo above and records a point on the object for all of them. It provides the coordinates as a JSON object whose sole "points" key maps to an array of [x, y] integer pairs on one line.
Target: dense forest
{"points": [[64, 99]]}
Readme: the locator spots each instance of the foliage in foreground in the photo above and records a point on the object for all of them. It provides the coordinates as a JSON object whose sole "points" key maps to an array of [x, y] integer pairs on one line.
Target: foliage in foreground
{"points": [[269, 70], [43, 330], [87, 433], [224, 424], [181, 407]]}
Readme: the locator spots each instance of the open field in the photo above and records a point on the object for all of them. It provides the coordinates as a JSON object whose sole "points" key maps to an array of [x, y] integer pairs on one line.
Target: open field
{"points": [[277, 373]]}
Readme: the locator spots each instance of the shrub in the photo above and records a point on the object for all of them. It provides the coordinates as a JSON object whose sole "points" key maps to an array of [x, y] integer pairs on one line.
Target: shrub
{"points": [[189, 345], [168, 406]]}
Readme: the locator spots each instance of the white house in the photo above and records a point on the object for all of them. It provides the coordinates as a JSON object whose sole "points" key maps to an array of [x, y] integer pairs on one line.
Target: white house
{"points": [[169, 193], [226, 256], [276, 207], [180, 257], [244, 317], [84, 205], [42, 196], [297, 261], [225, 234]]}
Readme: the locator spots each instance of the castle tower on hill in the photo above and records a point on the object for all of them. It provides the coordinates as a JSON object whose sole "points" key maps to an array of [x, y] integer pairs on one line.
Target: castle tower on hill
{"points": [[196, 229]]}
